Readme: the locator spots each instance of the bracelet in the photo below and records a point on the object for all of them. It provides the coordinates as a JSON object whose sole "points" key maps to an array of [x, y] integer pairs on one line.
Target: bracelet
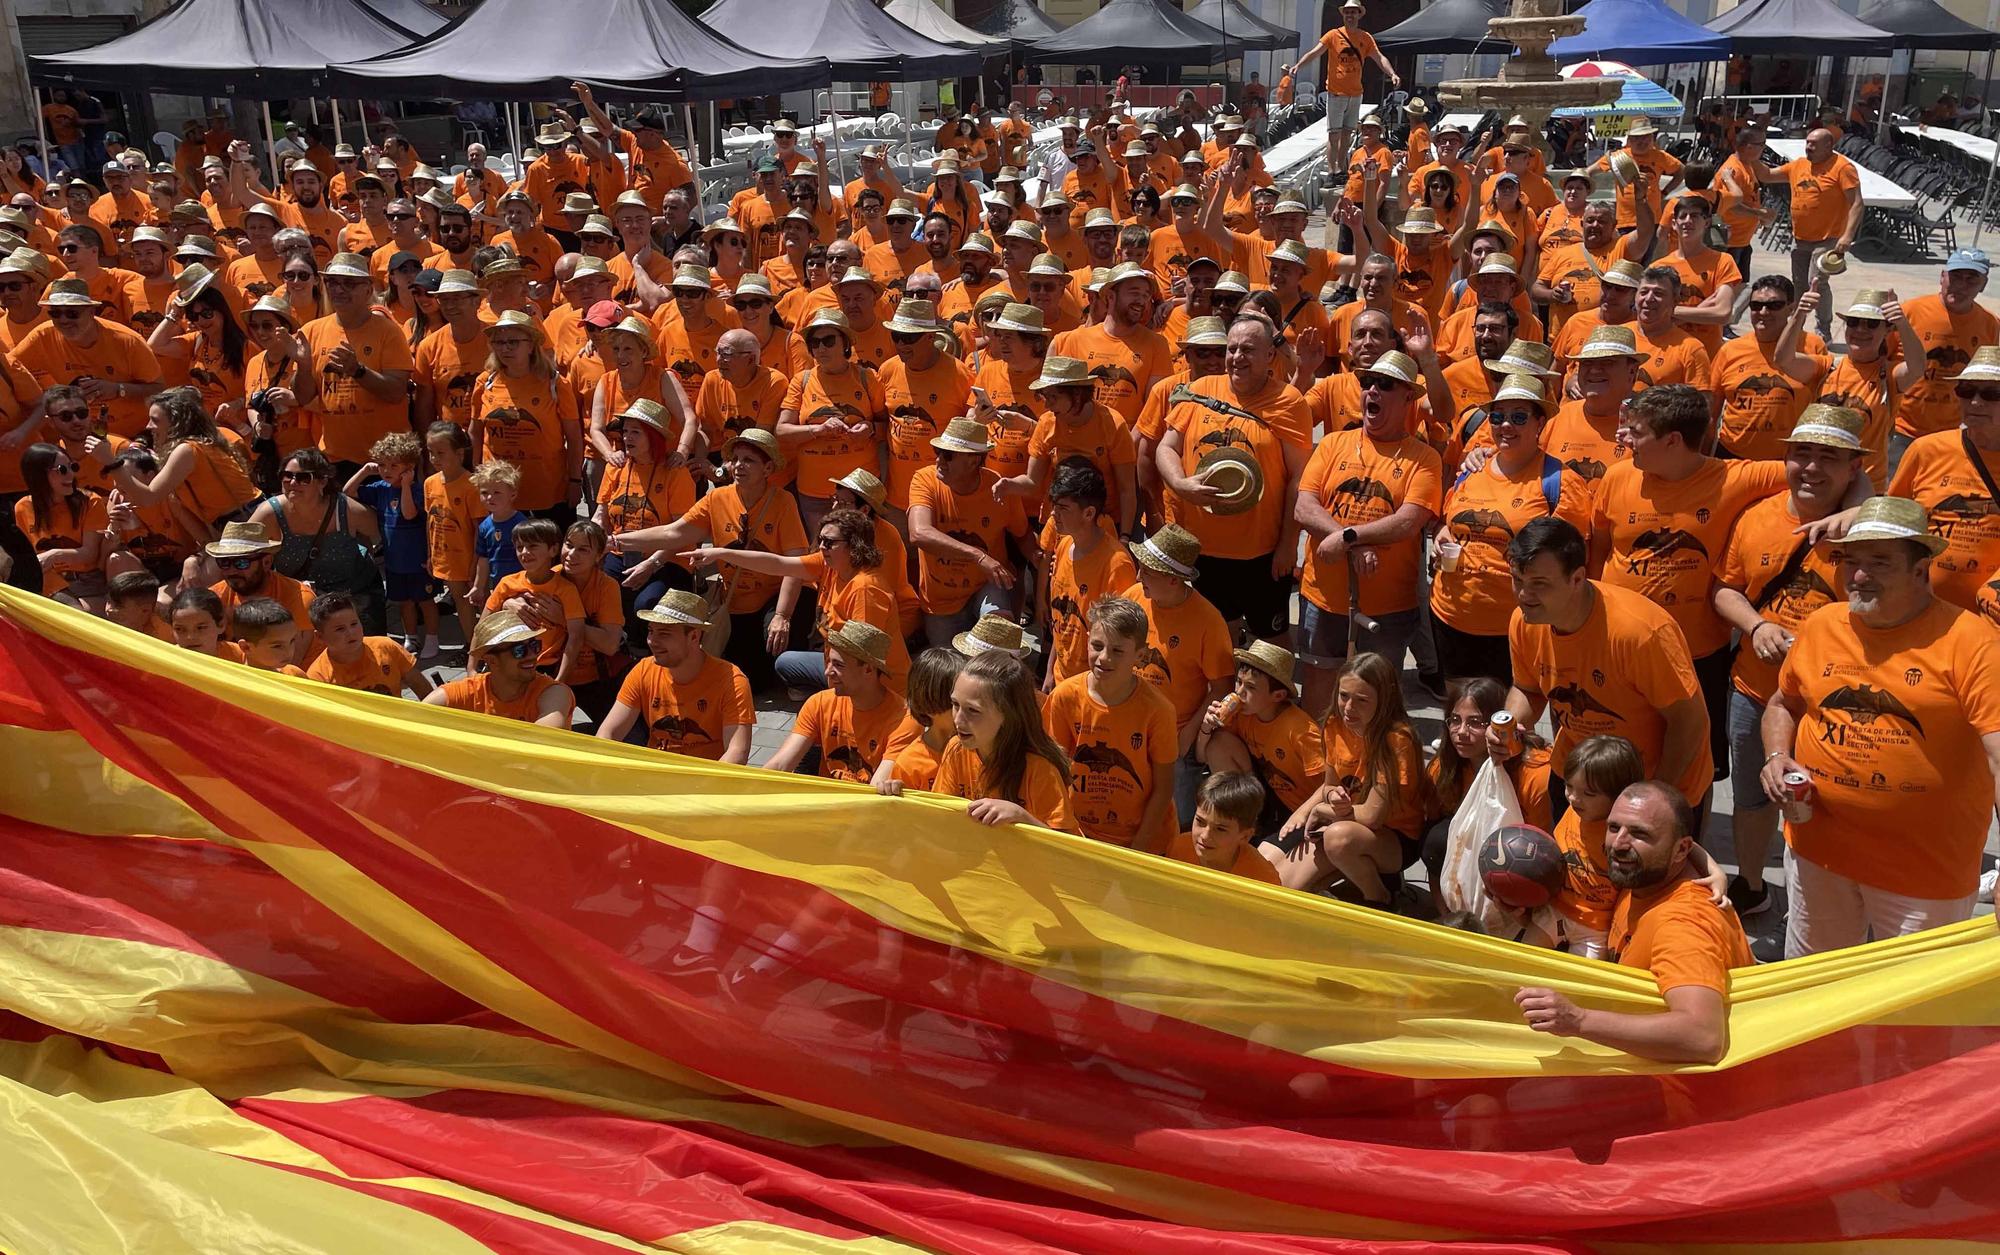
{"points": [[1775, 754]]}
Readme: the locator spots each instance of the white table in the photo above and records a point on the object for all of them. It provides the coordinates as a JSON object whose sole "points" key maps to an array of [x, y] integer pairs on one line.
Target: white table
{"points": [[1875, 190], [1977, 147]]}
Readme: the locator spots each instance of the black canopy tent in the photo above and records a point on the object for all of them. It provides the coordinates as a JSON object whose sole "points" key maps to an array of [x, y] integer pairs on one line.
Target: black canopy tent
{"points": [[413, 16], [1148, 32], [528, 50], [1447, 26], [857, 38], [1927, 24], [1237, 22], [266, 49], [1817, 27], [1018, 21]]}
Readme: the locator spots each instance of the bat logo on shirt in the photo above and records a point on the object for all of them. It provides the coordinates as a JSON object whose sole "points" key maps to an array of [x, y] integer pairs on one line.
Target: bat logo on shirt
{"points": [[687, 370], [1945, 357], [915, 413], [848, 759], [1481, 521], [459, 389], [1153, 658], [677, 729], [1415, 279], [1866, 703], [1102, 758], [1579, 701], [1113, 374], [1806, 586], [1179, 261], [1965, 506], [1760, 385], [838, 411], [508, 416], [146, 319], [1223, 439], [1064, 606], [1363, 488], [972, 539], [1277, 779], [259, 289], [1586, 468], [631, 503], [1661, 542]]}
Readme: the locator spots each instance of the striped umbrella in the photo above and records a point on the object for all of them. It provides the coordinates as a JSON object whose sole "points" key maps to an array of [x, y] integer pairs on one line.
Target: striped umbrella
{"points": [[1638, 95]]}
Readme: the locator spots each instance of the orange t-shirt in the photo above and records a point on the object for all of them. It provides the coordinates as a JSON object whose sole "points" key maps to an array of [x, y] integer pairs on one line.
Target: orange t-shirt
{"points": [[1737, 210], [1587, 897], [1345, 767], [1285, 420], [322, 222], [529, 421], [916, 763], [1654, 164], [774, 526], [451, 516], [1124, 367], [725, 409], [1819, 195], [1869, 389], [119, 356], [1346, 53], [691, 718], [1680, 935], [1406, 317], [1010, 391], [289, 593], [1249, 864], [1102, 438], [1118, 755], [65, 531], [1188, 648], [1760, 403], [1698, 283], [867, 595], [919, 403], [687, 351], [1936, 473], [1044, 792], [475, 693], [1579, 266], [852, 742], [855, 396], [1891, 734], [1485, 510], [643, 494], [1674, 356], [1949, 341], [946, 583], [556, 635], [1667, 534], [352, 418], [1360, 480], [1613, 676], [603, 606], [1423, 273], [1586, 447], [451, 367], [1759, 549], [379, 668], [1288, 753], [1074, 587]]}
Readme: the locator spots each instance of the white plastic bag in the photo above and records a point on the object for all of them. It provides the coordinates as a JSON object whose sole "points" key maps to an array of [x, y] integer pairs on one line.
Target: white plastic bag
{"points": [[1489, 805]]}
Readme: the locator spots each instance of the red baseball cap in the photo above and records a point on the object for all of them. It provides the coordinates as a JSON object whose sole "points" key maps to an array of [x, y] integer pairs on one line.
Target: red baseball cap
{"points": [[605, 314]]}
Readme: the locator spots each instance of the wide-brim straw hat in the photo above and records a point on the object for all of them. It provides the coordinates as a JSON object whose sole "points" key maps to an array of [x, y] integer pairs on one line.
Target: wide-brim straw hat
{"points": [[1608, 340], [1269, 658], [69, 293], [760, 439], [679, 608], [914, 317], [1173, 550], [1525, 388], [1894, 518], [992, 634], [1206, 331], [1984, 366], [963, 435], [1026, 319], [1834, 426], [1063, 372], [1526, 357], [1237, 473], [861, 639], [241, 540], [502, 627], [865, 485], [648, 411]]}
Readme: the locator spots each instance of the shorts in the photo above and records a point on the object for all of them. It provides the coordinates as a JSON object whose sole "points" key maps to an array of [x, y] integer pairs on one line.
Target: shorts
{"points": [[1829, 911], [1746, 753], [1462, 655], [1342, 112], [1711, 671], [407, 585], [1323, 635], [1242, 588]]}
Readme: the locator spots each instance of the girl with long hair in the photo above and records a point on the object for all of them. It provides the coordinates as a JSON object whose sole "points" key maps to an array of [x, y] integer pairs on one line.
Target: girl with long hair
{"points": [[523, 413], [203, 473], [1003, 761], [1363, 823], [201, 331], [303, 290], [932, 678], [66, 526], [1469, 707]]}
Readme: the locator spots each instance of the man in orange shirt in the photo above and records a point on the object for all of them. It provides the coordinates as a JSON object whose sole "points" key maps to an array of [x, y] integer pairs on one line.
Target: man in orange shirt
{"points": [[1672, 353], [1654, 164], [1826, 213], [1187, 643], [1891, 705], [362, 361], [895, 258], [923, 389], [120, 209], [1125, 356], [1709, 278], [960, 529], [1950, 474], [1569, 277], [853, 723], [678, 698], [1951, 325], [1346, 48], [1607, 660], [1755, 398], [1664, 922], [1225, 828], [109, 362]]}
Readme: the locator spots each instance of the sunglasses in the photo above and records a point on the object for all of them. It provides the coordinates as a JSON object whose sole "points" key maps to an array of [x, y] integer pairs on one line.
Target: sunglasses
{"points": [[64, 468], [1866, 324], [15, 286], [522, 650], [1970, 392], [69, 248], [62, 416], [830, 542], [203, 312], [822, 342], [298, 276], [752, 302], [1511, 418], [907, 337], [1765, 307], [402, 217], [235, 564], [61, 314], [298, 477]]}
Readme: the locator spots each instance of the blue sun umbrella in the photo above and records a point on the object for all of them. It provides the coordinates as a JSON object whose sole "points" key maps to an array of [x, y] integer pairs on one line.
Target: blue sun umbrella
{"points": [[1638, 94]]}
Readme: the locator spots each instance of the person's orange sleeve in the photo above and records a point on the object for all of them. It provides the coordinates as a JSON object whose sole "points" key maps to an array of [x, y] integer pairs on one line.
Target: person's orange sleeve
{"points": [[741, 709], [813, 722], [1690, 946]]}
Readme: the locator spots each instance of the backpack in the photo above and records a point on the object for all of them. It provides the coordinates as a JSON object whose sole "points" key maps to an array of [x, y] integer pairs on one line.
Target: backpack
{"points": [[1552, 472]]}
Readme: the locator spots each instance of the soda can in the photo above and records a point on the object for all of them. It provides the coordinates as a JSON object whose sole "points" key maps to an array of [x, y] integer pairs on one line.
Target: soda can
{"points": [[1796, 804], [1507, 730], [1230, 705]]}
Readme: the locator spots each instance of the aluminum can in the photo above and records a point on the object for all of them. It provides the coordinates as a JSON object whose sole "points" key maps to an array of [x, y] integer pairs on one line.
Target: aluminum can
{"points": [[1796, 804]]}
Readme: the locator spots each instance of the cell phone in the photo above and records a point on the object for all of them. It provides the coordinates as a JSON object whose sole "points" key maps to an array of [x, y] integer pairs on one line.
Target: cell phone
{"points": [[980, 397]]}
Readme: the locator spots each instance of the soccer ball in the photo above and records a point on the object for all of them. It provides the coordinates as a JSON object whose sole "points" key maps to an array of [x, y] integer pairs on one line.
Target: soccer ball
{"points": [[1521, 866]]}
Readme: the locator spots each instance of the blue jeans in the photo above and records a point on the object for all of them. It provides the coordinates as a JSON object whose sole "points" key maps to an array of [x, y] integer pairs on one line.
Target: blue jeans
{"points": [[1746, 751], [803, 669], [669, 576]]}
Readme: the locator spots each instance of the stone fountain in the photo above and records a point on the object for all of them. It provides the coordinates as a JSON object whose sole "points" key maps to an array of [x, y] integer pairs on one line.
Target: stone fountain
{"points": [[1529, 84]]}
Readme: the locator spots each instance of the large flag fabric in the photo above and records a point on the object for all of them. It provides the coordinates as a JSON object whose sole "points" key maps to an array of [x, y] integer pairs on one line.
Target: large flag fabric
{"points": [[288, 968]]}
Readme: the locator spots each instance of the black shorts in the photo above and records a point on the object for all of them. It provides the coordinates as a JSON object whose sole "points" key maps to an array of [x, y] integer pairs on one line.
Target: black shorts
{"points": [[1462, 655], [1242, 588], [1712, 672]]}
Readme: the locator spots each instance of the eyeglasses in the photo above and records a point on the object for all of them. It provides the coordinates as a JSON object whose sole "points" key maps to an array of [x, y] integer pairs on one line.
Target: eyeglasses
{"points": [[203, 312], [298, 477], [69, 248], [63, 416], [1970, 392], [1765, 307], [822, 342], [907, 337], [830, 542], [1511, 418], [402, 217], [235, 564], [734, 241], [523, 650]]}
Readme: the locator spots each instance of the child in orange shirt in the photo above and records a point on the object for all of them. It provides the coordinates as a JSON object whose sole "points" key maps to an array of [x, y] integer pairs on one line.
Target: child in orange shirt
{"points": [[452, 510], [1266, 736], [353, 659], [132, 601], [1120, 735], [538, 547], [928, 728], [1226, 818], [267, 634], [1089, 562], [197, 618]]}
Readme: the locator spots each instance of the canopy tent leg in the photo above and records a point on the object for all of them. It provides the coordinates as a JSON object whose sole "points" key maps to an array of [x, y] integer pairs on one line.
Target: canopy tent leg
{"points": [[42, 137], [271, 145], [1985, 198], [361, 111], [1984, 125], [694, 161], [839, 157], [514, 142], [333, 107], [1853, 88], [312, 102]]}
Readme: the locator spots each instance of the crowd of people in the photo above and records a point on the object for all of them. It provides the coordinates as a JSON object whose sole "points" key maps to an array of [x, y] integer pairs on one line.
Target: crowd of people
{"points": [[1119, 507]]}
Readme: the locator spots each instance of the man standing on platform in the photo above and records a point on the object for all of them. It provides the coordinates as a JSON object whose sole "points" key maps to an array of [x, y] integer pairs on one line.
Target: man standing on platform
{"points": [[1346, 48]]}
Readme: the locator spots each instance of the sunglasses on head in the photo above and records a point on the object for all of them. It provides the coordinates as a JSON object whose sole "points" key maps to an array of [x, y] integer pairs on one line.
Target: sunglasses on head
{"points": [[1970, 392], [235, 564]]}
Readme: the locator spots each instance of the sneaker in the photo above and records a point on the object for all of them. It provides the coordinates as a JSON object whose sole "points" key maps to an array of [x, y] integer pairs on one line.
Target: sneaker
{"points": [[1746, 900], [430, 651], [1987, 882]]}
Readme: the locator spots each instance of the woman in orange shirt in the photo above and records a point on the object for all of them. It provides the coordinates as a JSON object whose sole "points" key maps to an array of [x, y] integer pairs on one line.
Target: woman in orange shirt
{"points": [[928, 728], [66, 526], [1469, 707], [757, 310], [643, 489], [1018, 345], [200, 330], [205, 478], [633, 374], [281, 369], [728, 254], [947, 193], [832, 421], [1363, 823], [1003, 761]]}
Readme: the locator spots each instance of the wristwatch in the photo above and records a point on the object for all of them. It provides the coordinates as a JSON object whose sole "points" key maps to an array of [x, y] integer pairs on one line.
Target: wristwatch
{"points": [[1348, 536]]}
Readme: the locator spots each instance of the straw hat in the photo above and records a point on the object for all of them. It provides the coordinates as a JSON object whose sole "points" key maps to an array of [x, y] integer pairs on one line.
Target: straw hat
{"points": [[864, 485], [1894, 518], [598, 224], [517, 320], [648, 411], [691, 276], [25, 261], [140, 235], [1834, 426], [502, 627], [902, 207], [1868, 303], [861, 639], [1048, 264], [631, 325], [1421, 221], [1237, 473], [1207, 332], [1642, 126], [1173, 550], [1272, 659], [992, 634], [723, 226], [551, 135], [1607, 340], [1025, 319], [828, 316], [1832, 262], [963, 435], [753, 284], [459, 283], [1052, 199], [762, 441], [914, 317], [1293, 251], [679, 608], [1126, 271], [241, 540], [1500, 264], [1288, 203], [193, 280], [1623, 273], [861, 274], [438, 198], [502, 266], [1020, 229], [1984, 366], [1063, 372], [1525, 357], [1492, 226], [1417, 108], [1525, 388], [978, 242], [1623, 168], [579, 203], [1396, 365], [277, 307], [1233, 281], [70, 292], [1099, 219]]}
